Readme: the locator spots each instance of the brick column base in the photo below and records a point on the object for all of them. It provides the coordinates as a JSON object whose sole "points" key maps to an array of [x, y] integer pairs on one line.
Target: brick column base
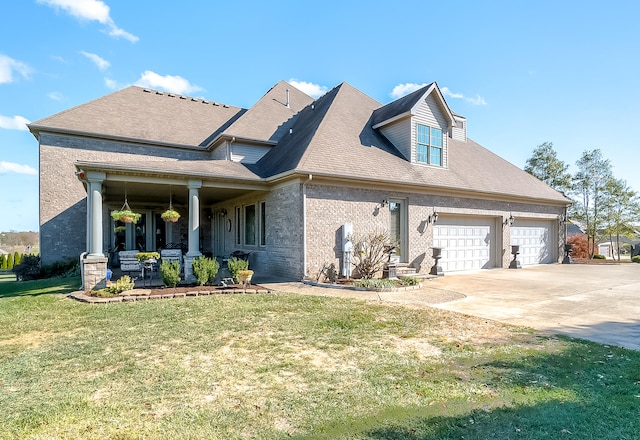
{"points": [[94, 274]]}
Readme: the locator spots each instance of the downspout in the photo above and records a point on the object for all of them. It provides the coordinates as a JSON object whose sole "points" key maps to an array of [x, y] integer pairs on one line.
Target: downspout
{"points": [[304, 225]]}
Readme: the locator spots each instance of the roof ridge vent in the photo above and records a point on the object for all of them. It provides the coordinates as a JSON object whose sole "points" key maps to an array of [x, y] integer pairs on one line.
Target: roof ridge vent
{"points": [[146, 90], [171, 95], [215, 103], [183, 97], [159, 93], [194, 99], [225, 106]]}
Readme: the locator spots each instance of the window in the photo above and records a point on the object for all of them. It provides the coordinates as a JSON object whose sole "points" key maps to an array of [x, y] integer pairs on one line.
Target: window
{"points": [[429, 145], [263, 228], [250, 225]]}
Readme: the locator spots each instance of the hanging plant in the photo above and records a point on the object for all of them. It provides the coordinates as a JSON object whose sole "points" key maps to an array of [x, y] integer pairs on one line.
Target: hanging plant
{"points": [[125, 214], [170, 215]]}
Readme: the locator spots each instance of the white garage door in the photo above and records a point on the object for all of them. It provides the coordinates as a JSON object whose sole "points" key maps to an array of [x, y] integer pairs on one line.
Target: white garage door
{"points": [[467, 243], [535, 239]]}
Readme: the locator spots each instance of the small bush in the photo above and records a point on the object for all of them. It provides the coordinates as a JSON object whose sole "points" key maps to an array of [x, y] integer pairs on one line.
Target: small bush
{"points": [[170, 271], [579, 249], [371, 252], [409, 281], [636, 259], [28, 269], [235, 265], [65, 267], [599, 257], [122, 284], [205, 269], [142, 256]]}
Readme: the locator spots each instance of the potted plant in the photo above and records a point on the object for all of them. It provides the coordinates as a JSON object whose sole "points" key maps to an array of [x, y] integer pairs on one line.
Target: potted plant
{"points": [[126, 216], [170, 215], [244, 276]]}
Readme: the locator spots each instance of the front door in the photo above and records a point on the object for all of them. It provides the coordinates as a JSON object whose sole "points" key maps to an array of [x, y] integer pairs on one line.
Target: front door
{"points": [[398, 229]]}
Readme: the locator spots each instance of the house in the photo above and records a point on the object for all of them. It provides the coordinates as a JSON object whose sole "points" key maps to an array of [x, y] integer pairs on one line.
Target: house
{"points": [[281, 179]]}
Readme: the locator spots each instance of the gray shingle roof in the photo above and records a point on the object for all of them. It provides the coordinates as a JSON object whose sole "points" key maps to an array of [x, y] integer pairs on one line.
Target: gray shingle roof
{"points": [[270, 118], [331, 136], [137, 113]]}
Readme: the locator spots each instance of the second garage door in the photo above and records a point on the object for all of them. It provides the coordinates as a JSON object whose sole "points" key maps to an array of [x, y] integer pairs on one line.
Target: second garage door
{"points": [[468, 243], [535, 239]]}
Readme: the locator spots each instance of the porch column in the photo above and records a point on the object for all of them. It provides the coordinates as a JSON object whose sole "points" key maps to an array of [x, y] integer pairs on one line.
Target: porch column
{"points": [[94, 267], [194, 228], [194, 218], [94, 211]]}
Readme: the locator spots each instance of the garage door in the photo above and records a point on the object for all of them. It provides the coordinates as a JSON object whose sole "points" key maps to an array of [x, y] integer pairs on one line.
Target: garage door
{"points": [[535, 239], [468, 243]]}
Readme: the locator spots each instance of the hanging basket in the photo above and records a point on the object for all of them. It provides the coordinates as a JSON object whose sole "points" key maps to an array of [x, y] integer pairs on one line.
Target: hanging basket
{"points": [[125, 214], [170, 215]]}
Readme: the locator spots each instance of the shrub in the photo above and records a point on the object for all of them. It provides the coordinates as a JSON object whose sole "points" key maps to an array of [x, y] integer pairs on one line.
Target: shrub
{"points": [[205, 269], [16, 258], [409, 281], [636, 259], [371, 252], [28, 269], [599, 257], [235, 265], [375, 283], [580, 249], [122, 284], [10, 261], [3, 262], [170, 271], [66, 267]]}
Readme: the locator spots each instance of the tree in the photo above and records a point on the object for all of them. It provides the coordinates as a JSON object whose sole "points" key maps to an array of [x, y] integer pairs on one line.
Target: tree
{"points": [[10, 261], [589, 185], [16, 258], [620, 208], [545, 165], [3, 262]]}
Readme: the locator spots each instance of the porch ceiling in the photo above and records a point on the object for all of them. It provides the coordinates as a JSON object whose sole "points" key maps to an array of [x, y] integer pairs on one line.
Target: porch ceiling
{"points": [[151, 195]]}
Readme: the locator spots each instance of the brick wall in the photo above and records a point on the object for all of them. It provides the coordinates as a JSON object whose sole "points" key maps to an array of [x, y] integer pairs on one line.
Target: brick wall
{"points": [[330, 207], [62, 195]]}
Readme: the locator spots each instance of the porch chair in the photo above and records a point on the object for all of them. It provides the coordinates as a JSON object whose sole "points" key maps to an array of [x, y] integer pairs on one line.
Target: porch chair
{"points": [[129, 262]]}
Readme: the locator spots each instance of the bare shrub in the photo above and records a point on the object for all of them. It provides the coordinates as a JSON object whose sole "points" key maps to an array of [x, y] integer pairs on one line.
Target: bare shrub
{"points": [[371, 251]]}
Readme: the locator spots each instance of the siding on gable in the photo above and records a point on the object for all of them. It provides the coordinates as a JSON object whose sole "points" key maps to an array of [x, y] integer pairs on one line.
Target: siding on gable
{"points": [[399, 134], [429, 113], [459, 132], [247, 153]]}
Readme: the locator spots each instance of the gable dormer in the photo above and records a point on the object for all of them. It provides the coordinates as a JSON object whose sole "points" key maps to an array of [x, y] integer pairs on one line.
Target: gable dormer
{"points": [[418, 125]]}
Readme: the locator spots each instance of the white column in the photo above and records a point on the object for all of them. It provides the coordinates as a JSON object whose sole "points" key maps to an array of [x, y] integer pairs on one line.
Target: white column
{"points": [[194, 218], [94, 197]]}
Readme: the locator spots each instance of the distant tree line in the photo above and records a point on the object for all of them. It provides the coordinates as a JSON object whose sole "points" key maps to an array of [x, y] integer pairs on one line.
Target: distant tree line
{"points": [[9, 261], [13, 238], [605, 206]]}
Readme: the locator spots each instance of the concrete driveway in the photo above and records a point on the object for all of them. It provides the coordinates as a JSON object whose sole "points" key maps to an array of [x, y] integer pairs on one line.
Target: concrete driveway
{"points": [[596, 302]]}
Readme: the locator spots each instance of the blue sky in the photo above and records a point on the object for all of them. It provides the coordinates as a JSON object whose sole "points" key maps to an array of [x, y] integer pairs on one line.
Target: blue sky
{"points": [[522, 72]]}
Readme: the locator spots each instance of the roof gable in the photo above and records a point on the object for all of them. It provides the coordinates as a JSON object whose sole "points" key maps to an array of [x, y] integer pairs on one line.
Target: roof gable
{"points": [[272, 116], [408, 105]]}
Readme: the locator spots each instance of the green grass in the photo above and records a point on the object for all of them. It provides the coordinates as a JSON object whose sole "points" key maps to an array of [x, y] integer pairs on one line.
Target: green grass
{"points": [[288, 366]]}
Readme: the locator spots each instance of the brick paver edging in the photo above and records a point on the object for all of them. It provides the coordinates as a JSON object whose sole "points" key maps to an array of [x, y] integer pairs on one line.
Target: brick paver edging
{"points": [[368, 289], [83, 297]]}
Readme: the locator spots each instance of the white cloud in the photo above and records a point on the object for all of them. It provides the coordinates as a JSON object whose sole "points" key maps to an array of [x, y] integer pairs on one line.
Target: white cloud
{"points": [[9, 66], [168, 83], [100, 62], [11, 167], [56, 96], [311, 89], [404, 89], [14, 123], [91, 10], [478, 100], [111, 83]]}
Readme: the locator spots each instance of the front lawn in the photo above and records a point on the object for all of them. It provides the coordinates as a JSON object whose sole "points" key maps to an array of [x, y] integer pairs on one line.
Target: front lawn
{"points": [[287, 366]]}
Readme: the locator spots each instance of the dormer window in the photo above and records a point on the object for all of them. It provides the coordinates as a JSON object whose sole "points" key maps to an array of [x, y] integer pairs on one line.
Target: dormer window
{"points": [[429, 145]]}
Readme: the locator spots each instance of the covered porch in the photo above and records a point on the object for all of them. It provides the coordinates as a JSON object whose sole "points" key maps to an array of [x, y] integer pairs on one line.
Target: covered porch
{"points": [[205, 227]]}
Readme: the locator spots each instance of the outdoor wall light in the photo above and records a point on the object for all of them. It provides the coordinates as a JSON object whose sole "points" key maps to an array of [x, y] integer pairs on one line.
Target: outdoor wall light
{"points": [[433, 218], [384, 202], [509, 221]]}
